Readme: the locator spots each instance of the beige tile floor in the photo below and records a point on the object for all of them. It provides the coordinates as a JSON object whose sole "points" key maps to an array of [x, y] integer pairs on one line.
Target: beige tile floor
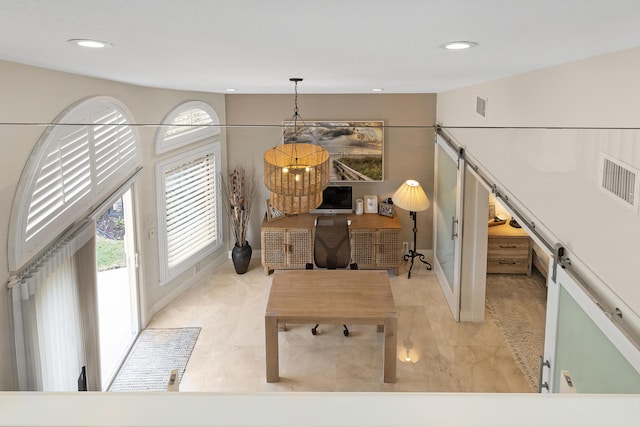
{"points": [[229, 355]]}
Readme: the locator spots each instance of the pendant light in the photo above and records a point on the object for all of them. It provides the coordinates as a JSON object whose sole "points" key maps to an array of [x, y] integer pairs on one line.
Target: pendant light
{"points": [[296, 172]]}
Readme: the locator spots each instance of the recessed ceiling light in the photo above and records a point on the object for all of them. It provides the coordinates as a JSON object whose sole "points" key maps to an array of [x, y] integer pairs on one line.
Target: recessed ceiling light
{"points": [[459, 45], [94, 44], [377, 89], [231, 89]]}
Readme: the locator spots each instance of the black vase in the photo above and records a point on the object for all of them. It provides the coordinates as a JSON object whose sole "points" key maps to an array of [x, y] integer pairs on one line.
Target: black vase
{"points": [[241, 256]]}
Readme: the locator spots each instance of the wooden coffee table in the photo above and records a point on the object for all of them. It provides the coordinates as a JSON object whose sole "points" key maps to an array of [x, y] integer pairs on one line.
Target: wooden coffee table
{"points": [[331, 296]]}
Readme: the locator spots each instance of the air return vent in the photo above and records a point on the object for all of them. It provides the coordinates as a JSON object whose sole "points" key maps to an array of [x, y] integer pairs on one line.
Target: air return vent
{"points": [[481, 106], [620, 180]]}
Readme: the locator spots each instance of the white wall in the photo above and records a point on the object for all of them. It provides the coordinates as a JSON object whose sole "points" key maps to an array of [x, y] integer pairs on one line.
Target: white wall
{"points": [[554, 173], [408, 141], [35, 95]]}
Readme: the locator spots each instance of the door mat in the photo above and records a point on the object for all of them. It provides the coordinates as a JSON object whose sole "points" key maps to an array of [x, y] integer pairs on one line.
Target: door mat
{"points": [[155, 353]]}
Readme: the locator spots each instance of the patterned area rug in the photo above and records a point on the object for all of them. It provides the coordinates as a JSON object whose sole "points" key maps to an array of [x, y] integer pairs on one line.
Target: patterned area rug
{"points": [[518, 303], [155, 353]]}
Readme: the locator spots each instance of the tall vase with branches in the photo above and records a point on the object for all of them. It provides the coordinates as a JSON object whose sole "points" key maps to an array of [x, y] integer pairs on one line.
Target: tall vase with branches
{"points": [[239, 188]]}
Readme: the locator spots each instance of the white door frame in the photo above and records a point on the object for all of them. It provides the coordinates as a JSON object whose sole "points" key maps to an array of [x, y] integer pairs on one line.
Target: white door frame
{"points": [[131, 250], [473, 274]]}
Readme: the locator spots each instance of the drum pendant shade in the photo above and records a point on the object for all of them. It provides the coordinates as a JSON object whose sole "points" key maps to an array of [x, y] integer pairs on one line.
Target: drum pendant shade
{"points": [[296, 173]]}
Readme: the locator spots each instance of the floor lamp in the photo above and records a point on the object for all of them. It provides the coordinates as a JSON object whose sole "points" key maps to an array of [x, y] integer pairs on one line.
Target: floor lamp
{"points": [[411, 197]]}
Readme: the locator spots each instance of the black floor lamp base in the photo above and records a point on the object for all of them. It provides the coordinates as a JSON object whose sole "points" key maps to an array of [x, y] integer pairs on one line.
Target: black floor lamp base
{"points": [[412, 252]]}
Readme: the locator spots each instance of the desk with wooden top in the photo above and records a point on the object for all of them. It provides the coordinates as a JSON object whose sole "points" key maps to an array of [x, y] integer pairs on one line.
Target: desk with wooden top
{"points": [[331, 296], [287, 243]]}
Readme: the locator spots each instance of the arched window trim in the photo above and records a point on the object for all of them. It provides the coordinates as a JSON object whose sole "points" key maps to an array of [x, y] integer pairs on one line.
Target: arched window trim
{"points": [[206, 127], [113, 155]]}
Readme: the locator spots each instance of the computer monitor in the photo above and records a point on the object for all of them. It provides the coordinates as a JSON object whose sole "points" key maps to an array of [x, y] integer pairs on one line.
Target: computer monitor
{"points": [[336, 199]]}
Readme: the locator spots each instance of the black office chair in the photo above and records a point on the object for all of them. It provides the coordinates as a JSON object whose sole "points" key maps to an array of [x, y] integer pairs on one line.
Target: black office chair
{"points": [[332, 248]]}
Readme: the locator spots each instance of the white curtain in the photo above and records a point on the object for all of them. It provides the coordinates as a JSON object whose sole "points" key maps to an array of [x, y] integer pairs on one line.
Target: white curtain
{"points": [[47, 317]]}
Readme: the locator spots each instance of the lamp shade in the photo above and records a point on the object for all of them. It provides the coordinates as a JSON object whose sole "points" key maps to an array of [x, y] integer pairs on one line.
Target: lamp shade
{"points": [[295, 175], [411, 197]]}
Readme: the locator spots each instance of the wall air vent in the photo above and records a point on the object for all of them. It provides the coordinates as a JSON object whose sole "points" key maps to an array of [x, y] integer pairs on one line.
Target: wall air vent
{"points": [[620, 180], [481, 106]]}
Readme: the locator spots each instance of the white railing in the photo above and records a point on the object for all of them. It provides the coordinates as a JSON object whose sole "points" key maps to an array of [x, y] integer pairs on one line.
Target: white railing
{"points": [[316, 409]]}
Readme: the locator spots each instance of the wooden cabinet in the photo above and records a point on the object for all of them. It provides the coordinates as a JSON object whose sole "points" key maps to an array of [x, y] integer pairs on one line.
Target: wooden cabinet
{"points": [[286, 248], [372, 249], [287, 243], [509, 250]]}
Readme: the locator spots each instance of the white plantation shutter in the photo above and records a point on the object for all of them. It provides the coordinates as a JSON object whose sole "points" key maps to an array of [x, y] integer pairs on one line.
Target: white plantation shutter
{"points": [[191, 206], [64, 178], [114, 142], [79, 160], [189, 216], [187, 123]]}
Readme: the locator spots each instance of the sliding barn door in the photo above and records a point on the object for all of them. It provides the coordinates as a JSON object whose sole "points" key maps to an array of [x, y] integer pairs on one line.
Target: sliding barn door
{"points": [[447, 221], [586, 351]]}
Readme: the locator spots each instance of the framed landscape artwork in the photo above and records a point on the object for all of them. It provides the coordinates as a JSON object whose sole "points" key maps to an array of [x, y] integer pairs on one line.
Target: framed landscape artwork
{"points": [[355, 147]]}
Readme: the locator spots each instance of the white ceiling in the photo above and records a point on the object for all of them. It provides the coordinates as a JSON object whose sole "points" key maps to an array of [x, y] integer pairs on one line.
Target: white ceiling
{"points": [[337, 46]]}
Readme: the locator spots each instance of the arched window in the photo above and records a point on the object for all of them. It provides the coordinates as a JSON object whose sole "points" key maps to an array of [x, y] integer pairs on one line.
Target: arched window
{"points": [[189, 122], [89, 150], [189, 201]]}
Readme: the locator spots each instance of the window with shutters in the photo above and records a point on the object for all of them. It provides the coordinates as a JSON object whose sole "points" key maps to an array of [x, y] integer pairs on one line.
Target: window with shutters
{"points": [[89, 150], [189, 217], [187, 123]]}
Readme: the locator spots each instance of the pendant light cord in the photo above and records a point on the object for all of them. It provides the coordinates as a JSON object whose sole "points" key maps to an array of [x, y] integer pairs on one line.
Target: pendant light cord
{"points": [[295, 80], [295, 100]]}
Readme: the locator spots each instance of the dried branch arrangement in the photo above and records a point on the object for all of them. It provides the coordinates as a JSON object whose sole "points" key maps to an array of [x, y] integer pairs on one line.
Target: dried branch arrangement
{"points": [[239, 190]]}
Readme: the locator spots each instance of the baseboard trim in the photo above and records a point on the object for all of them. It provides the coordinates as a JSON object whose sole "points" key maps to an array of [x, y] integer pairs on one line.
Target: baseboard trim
{"points": [[428, 253]]}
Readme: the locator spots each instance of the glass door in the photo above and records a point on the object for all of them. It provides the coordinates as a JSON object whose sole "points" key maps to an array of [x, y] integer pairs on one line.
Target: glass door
{"points": [[585, 352], [447, 222], [117, 285]]}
